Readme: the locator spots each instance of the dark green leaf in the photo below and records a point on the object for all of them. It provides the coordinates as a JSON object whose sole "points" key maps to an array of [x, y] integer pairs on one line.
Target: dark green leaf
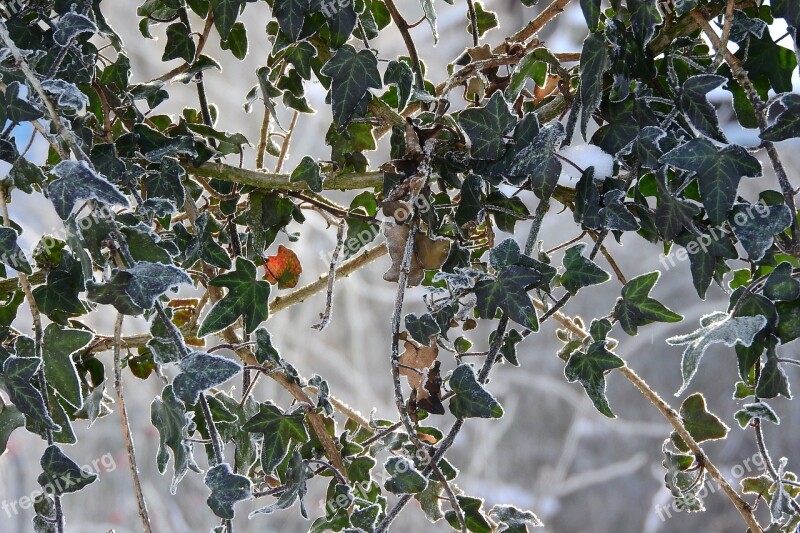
{"points": [[471, 399], [473, 515], [696, 107], [580, 271], [16, 379], [787, 123], [486, 20], [180, 43], [352, 75], [594, 63], [199, 372], [487, 126], [10, 252], [11, 418], [509, 292], [247, 297], [57, 348], [772, 381], [278, 429], [591, 12], [225, 14], [76, 182], [644, 19], [758, 411], [404, 477], [755, 226], [400, 74], [61, 474], [308, 171], [589, 368], [168, 415], [701, 424], [636, 308], [237, 41], [300, 56], [227, 488], [422, 328]]}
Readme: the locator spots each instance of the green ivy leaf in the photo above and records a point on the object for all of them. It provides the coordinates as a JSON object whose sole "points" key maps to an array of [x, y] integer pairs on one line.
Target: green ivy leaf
{"points": [[486, 20], [168, 415], [515, 520], [308, 171], [589, 368], [62, 474], [701, 424], [352, 75], [64, 284], [19, 109], [57, 348], [10, 252], [295, 481], [471, 399], [594, 63], [580, 271], [768, 59], [278, 429], [227, 488], [756, 231], [225, 14], [714, 328], [290, 15], [16, 378], [615, 214], [757, 411], [180, 43], [11, 418], [591, 12], [636, 308], [247, 297], [24, 175], [509, 292], [487, 126], [787, 123], [77, 182], [644, 19], [237, 41], [199, 372], [772, 381], [405, 479], [422, 328], [788, 10], [300, 56], [718, 172], [399, 73], [696, 107], [673, 214], [473, 515]]}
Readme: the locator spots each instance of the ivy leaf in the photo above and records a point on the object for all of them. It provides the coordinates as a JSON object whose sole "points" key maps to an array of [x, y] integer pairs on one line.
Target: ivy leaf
{"points": [[352, 75], [247, 297], [17, 108], [168, 415], [580, 271], [300, 56], [473, 515], [225, 14], [61, 474], [758, 411], [206, 246], [11, 418], [788, 10], [701, 424], [756, 232], [636, 308], [470, 208], [151, 280], [673, 213], [227, 488], [487, 126], [70, 25], [780, 284], [295, 480], [278, 429], [57, 348], [180, 43], [594, 63], [290, 15], [237, 41], [62, 289], [516, 520], [718, 172], [714, 328], [199, 372], [486, 20], [615, 214], [644, 19], [24, 175], [400, 74], [430, 15], [308, 171], [768, 59], [17, 374], [787, 123], [591, 12], [405, 479], [284, 268], [772, 381], [471, 399], [76, 182], [696, 107], [589, 368], [10, 252], [422, 328], [167, 182], [509, 292]]}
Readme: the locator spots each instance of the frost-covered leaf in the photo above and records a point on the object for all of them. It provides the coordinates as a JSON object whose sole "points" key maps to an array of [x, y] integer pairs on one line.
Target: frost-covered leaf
{"points": [[509, 292], [278, 429], [756, 226], [594, 63], [16, 378], [70, 25], [773, 380], [471, 399], [644, 19], [247, 297], [151, 280], [487, 126], [405, 479], [168, 415], [589, 368], [10, 252], [199, 372], [695, 105], [57, 348], [77, 182], [717, 327], [513, 519], [760, 411], [308, 171], [68, 96], [580, 271], [227, 488], [61, 474], [718, 172], [400, 74]]}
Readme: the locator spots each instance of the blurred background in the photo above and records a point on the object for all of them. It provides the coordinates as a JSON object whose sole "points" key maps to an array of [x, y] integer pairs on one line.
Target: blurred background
{"points": [[552, 452]]}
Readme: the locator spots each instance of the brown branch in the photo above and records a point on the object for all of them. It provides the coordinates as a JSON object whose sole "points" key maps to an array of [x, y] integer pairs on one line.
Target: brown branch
{"points": [[281, 182]]}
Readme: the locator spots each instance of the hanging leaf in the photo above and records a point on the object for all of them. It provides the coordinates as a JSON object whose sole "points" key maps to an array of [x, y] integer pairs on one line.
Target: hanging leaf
{"points": [[405, 479], [471, 399], [283, 268], [199, 372], [695, 105], [168, 415], [352, 75], [636, 308], [227, 488], [756, 411], [487, 126], [589, 368], [58, 346], [16, 378], [10, 252], [61, 474], [509, 293], [594, 63], [580, 271], [278, 429], [78, 182], [247, 297]]}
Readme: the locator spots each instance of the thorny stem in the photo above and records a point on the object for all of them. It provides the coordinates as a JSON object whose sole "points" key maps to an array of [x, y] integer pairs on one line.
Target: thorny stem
{"points": [[126, 429]]}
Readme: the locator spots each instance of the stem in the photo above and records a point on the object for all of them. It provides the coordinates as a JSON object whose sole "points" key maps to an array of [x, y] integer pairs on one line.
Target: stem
{"points": [[126, 429], [403, 26], [286, 139], [473, 22], [326, 316], [281, 182]]}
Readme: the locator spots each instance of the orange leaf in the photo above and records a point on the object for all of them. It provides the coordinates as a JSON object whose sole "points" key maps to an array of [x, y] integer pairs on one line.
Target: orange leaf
{"points": [[283, 268]]}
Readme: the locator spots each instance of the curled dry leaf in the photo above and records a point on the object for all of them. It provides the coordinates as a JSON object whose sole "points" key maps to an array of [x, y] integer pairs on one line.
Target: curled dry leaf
{"points": [[283, 268], [416, 359], [428, 253]]}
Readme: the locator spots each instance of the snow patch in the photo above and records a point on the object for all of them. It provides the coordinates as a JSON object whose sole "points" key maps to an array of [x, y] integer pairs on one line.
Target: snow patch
{"points": [[584, 156]]}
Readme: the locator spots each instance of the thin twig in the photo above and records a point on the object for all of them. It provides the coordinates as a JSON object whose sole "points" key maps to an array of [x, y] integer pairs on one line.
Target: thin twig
{"points": [[126, 428], [326, 316], [286, 139]]}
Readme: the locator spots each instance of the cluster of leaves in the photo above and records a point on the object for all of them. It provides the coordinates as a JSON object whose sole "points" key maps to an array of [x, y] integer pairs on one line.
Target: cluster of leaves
{"points": [[127, 181]]}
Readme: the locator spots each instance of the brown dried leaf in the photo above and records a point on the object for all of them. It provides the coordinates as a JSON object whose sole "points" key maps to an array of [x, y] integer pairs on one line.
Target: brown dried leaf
{"points": [[416, 359], [431, 253], [396, 237]]}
